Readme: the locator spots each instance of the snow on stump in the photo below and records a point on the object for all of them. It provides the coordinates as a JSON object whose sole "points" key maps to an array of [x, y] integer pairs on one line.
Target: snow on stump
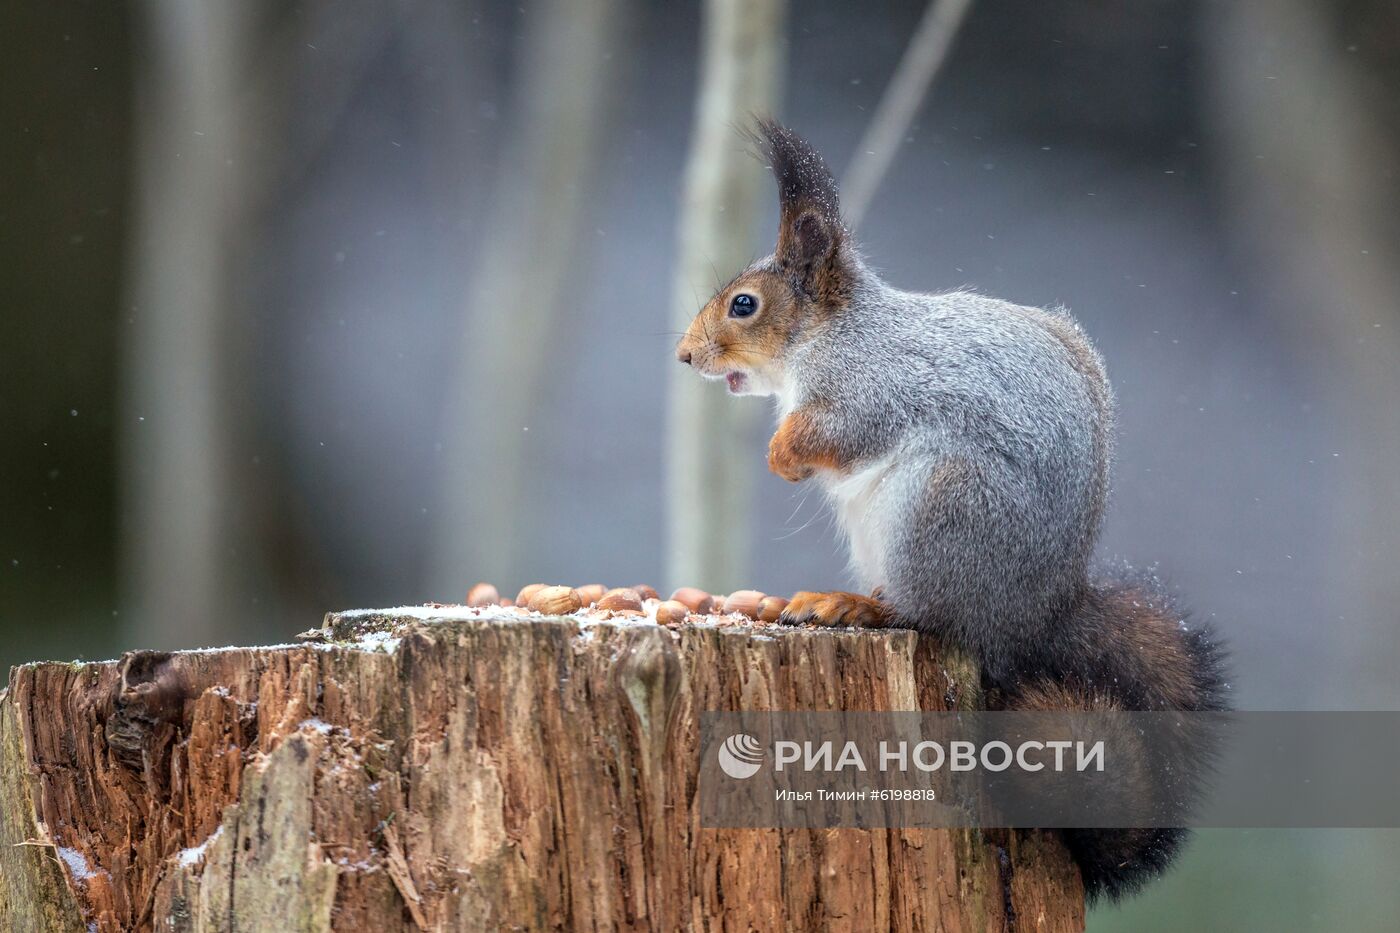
{"points": [[472, 769]]}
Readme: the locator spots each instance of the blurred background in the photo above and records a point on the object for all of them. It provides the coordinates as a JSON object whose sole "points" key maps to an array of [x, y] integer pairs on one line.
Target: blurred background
{"points": [[316, 305]]}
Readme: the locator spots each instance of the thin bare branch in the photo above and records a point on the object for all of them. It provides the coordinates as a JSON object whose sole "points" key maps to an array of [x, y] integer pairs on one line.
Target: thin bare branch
{"points": [[900, 104]]}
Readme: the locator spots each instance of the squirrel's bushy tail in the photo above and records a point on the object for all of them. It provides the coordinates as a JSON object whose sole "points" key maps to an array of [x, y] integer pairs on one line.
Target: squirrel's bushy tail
{"points": [[1142, 655]]}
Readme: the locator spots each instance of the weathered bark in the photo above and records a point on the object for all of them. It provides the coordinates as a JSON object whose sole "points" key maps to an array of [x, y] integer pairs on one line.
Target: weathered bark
{"points": [[441, 769]]}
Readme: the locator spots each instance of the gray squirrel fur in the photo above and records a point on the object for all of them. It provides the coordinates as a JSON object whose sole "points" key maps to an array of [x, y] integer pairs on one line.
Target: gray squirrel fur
{"points": [[965, 444]]}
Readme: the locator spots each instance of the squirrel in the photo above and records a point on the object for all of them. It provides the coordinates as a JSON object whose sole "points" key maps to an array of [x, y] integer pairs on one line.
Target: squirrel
{"points": [[964, 443]]}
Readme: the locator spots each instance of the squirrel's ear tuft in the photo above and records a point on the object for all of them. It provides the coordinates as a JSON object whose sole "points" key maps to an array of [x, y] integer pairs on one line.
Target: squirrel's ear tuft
{"points": [[810, 231], [804, 181]]}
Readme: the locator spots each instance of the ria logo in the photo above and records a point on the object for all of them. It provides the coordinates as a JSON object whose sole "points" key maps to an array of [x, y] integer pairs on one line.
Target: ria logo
{"points": [[740, 756]]}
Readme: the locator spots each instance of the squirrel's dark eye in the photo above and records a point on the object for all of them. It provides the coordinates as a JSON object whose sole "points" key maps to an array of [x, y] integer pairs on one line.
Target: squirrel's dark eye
{"points": [[743, 305]]}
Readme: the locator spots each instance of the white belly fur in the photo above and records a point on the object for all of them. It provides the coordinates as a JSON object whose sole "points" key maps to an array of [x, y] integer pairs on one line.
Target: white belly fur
{"points": [[866, 505]]}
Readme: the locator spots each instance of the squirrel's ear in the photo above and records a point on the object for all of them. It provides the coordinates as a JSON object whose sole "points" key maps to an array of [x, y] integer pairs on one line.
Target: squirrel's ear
{"points": [[810, 232], [809, 240]]}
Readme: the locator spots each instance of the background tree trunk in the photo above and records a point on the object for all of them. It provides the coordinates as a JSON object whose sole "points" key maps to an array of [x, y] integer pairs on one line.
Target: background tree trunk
{"points": [[521, 280], [1311, 193], [708, 475], [439, 770], [180, 420]]}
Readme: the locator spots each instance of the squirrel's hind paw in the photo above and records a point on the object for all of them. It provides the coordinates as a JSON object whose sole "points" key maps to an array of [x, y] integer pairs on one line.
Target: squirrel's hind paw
{"points": [[843, 609]]}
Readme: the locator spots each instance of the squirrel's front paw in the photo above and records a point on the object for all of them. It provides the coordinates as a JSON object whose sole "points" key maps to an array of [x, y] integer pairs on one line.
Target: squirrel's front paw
{"points": [[848, 609], [783, 460]]}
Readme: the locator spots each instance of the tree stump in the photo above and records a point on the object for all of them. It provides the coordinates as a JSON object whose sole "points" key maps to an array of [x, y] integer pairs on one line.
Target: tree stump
{"points": [[461, 769]]}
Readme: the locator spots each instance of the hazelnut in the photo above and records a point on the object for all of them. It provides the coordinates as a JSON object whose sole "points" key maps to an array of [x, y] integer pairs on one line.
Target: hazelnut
{"points": [[523, 597], [770, 607], [695, 600], [744, 602], [672, 612], [483, 594], [556, 601], [621, 599], [646, 592], [591, 593]]}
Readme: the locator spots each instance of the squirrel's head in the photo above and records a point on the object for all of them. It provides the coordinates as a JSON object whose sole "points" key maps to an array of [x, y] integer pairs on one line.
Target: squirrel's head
{"points": [[745, 332]]}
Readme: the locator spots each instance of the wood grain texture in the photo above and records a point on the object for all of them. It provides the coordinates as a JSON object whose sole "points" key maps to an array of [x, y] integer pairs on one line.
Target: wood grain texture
{"points": [[478, 771]]}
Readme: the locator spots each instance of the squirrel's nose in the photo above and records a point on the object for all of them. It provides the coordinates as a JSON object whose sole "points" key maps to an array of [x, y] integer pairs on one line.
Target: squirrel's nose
{"points": [[683, 355]]}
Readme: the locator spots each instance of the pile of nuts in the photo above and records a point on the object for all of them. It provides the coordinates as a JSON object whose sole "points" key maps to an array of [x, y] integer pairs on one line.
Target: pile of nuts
{"points": [[631, 601]]}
